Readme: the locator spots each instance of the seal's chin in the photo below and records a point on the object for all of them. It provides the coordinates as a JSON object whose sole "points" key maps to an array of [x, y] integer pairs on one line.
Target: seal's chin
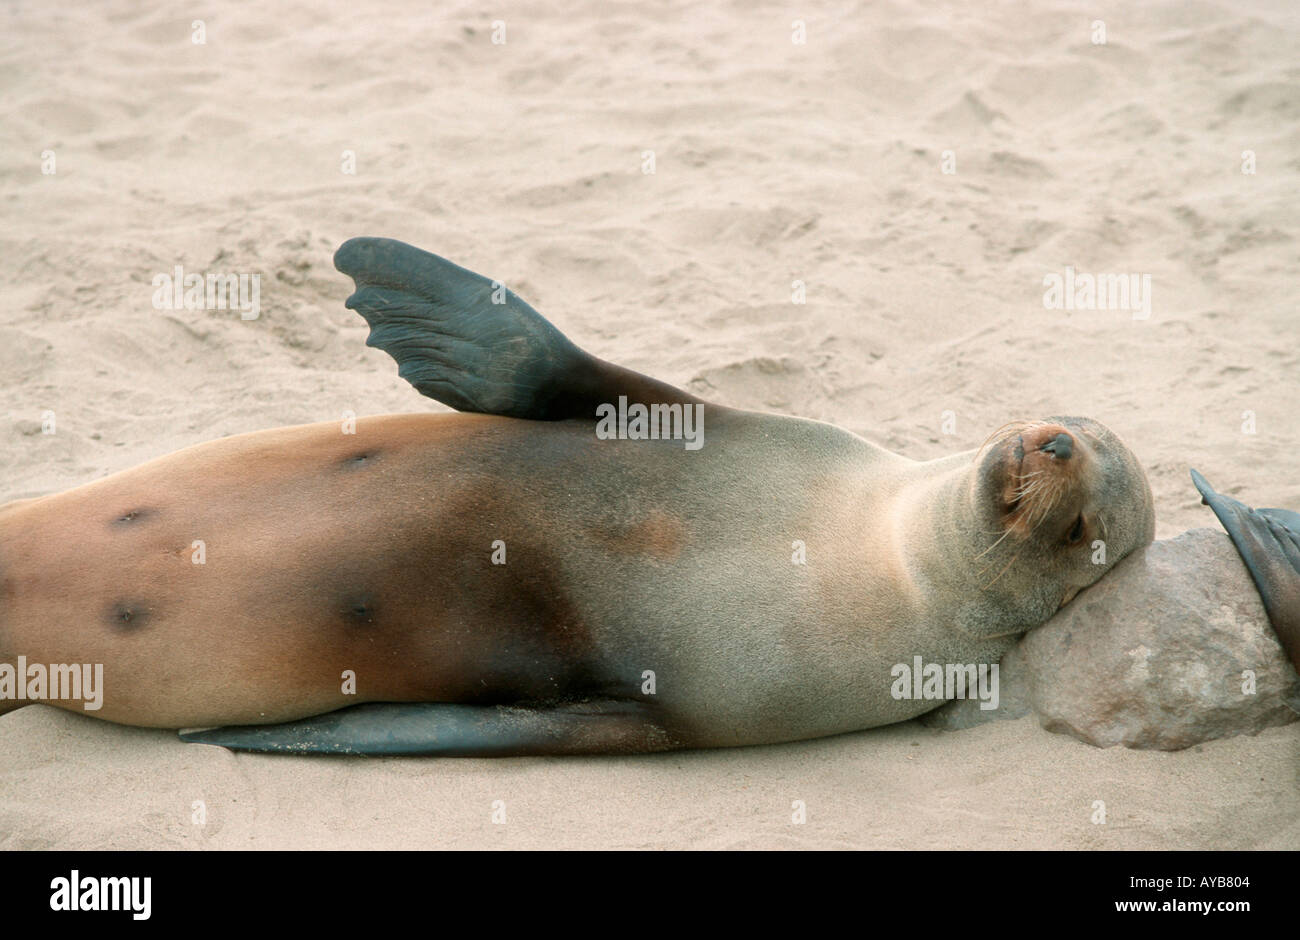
{"points": [[1035, 469]]}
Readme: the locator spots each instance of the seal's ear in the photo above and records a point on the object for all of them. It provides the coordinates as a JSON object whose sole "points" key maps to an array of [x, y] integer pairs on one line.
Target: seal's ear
{"points": [[471, 343], [1268, 541]]}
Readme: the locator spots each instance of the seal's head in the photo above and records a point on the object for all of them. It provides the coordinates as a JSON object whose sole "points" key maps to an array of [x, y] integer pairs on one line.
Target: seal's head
{"points": [[1066, 495]]}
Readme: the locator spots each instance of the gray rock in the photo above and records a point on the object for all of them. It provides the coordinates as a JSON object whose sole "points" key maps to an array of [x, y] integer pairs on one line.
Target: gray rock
{"points": [[1154, 655]]}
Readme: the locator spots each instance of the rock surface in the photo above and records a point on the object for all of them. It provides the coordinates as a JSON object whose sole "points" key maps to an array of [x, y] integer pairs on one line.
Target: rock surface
{"points": [[1161, 653]]}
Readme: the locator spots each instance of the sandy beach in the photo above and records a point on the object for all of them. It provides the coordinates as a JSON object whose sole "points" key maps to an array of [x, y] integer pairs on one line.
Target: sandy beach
{"points": [[920, 172]]}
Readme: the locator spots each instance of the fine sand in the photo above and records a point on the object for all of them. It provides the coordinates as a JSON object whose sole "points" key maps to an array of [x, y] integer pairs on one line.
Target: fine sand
{"points": [[774, 162]]}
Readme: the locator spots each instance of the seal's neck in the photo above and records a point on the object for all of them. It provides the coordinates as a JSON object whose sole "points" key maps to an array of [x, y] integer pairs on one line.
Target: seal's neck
{"points": [[964, 554], [945, 505]]}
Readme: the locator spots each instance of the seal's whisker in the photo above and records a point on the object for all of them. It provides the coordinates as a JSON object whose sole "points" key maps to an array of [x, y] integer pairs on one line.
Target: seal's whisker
{"points": [[1002, 572], [1030, 477], [993, 546], [1048, 511], [1032, 486], [1006, 431], [997, 435]]}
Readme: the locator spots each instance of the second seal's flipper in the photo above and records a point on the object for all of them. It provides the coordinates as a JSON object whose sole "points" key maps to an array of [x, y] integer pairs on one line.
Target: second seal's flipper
{"points": [[470, 343], [1268, 541], [450, 730]]}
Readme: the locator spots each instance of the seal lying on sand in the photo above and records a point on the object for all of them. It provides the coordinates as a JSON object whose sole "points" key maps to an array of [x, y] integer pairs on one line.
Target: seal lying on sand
{"points": [[512, 581]]}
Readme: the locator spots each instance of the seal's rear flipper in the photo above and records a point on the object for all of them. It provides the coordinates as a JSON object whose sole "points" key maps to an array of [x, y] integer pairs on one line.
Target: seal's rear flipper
{"points": [[451, 730], [1268, 541], [470, 343]]}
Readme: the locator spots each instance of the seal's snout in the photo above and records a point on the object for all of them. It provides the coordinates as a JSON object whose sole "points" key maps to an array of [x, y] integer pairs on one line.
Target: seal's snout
{"points": [[1051, 450], [1050, 439], [1060, 447], [1041, 468]]}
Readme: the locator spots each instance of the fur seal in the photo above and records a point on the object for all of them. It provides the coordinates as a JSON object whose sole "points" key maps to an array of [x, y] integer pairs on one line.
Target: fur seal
{"points": [[649, 597]]}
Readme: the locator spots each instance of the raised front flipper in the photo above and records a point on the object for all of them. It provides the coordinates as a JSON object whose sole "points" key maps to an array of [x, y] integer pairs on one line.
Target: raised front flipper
{"points": [[470, 343], [451, 730], [1268, 541]]}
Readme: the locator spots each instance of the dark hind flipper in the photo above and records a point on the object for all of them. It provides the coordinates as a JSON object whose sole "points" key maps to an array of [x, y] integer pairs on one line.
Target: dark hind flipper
{"points": [[455, 345], [451, 730], [1268, 541]]}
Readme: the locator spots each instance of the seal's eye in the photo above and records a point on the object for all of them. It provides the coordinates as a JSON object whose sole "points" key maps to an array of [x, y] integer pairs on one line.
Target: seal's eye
{"points": [[1076, 533]]}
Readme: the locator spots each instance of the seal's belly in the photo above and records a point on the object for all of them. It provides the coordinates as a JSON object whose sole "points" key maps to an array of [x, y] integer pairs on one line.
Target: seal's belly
{"points": [[286, 573], [266, 577]]}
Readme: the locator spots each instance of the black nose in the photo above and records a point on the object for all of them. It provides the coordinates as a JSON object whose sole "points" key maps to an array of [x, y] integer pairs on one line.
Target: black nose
{"points": [[1061, 446]]}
